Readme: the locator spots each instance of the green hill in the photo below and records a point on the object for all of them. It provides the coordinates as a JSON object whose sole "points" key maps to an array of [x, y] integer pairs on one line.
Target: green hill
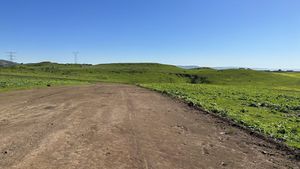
{"points": [[149, 73], [123, 73]]}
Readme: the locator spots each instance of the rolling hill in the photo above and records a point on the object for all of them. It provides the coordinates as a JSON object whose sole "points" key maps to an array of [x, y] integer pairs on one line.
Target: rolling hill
{"points": [[133, 73], [5, 63]]}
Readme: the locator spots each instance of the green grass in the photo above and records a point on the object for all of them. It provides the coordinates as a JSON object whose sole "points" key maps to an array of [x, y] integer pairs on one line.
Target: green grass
{"points": [[290, 74], [8, 83], [270, 111], [264, 101]]}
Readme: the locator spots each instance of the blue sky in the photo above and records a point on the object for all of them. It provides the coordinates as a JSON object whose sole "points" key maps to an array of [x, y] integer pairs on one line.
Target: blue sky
{"points": [[244, 33]]}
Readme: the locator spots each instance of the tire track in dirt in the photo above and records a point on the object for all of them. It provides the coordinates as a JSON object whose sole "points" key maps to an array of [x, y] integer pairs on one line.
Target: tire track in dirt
{"points": [[138, 152]]}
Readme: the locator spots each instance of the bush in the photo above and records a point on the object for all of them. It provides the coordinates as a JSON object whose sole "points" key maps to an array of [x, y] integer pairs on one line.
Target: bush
{"points": [[199, 79]]}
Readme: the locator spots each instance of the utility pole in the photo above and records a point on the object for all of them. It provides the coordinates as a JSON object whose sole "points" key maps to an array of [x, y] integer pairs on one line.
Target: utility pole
{"points": [[11, 55], [75, 54]]}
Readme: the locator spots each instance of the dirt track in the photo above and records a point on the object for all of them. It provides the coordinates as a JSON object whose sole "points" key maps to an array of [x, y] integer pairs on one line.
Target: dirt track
{"points": [[120, 126]]}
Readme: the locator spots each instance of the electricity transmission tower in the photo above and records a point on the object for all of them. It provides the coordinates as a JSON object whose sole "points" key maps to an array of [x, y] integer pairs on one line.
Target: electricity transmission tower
{"points": [[75, 54], [11, 55]]}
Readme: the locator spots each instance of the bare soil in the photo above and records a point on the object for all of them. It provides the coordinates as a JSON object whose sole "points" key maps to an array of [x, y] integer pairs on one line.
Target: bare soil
{"points": [[121, 126]]}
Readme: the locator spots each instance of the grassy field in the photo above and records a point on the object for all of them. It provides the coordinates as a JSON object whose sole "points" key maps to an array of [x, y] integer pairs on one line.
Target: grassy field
{"points": [[268, 102], [8, 82], [290, 74]]}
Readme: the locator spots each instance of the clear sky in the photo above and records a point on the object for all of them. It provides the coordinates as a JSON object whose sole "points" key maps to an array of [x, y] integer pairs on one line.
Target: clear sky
{"points": [[244, 33]]}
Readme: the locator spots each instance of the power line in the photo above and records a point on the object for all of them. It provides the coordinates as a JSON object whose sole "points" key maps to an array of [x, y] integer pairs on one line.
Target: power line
{"points": [[75, 54], [11, 55]]}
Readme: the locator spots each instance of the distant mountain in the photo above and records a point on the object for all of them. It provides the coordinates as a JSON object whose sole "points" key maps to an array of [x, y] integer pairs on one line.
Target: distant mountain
{"points": [[225, 68], [189, 67], [232, 67], [6, 63]]}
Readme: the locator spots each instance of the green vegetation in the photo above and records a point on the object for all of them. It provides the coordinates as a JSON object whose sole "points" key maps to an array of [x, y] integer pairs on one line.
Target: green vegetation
{"points": [[22, 82], [268, 102], [290, 74]]}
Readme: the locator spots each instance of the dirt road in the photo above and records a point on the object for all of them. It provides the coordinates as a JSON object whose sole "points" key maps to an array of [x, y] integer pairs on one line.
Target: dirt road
{"points": [[119, 126]]}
